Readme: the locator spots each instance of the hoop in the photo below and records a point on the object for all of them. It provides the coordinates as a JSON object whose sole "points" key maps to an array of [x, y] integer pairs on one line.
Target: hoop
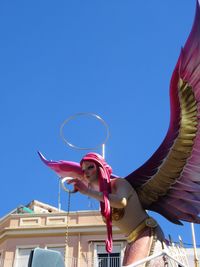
{"points": [[84, 114], [65, 179]]}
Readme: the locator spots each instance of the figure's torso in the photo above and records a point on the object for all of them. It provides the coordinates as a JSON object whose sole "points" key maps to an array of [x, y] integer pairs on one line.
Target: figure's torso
{"points": [[133, 214]]}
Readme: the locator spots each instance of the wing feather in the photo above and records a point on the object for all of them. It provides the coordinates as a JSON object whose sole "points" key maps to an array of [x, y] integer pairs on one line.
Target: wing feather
{"points": [[169, 182]]}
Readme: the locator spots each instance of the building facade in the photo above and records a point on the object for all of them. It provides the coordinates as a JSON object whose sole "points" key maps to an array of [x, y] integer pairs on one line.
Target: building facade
{"points": [[80, 236]]}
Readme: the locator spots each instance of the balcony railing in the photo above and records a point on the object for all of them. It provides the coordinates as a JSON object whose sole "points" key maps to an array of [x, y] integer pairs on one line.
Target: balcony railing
{"points": [[175, 258]]}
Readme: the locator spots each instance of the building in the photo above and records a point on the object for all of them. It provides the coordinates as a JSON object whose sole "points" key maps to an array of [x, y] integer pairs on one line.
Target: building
{"points": [[41, 225], [79, 236]]}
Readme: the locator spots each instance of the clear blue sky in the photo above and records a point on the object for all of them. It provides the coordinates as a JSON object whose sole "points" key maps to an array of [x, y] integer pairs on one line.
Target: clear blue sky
{"points": [[110, 57]]}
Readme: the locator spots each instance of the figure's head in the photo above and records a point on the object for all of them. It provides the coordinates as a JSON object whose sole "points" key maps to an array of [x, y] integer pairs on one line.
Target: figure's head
{"points": [[90, 172], [90, 163]]}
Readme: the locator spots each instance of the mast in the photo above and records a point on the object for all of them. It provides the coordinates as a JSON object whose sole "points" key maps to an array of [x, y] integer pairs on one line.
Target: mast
{"points": [[196, 260]]}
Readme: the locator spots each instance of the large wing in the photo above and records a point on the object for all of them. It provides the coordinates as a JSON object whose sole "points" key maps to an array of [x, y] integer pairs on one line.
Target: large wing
{"points": [[63, 168], [169, 182]]}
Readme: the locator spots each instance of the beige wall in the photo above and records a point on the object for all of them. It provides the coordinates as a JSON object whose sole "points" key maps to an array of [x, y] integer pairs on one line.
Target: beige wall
{"points": [[86, 230], [49, 229]]}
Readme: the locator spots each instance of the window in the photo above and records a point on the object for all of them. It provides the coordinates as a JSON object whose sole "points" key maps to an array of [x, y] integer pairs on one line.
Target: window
{"points": [[104, 259], [22, 257]]}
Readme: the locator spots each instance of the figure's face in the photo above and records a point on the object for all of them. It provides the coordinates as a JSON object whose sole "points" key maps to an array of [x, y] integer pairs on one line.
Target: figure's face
{"points": [[90, 171]]}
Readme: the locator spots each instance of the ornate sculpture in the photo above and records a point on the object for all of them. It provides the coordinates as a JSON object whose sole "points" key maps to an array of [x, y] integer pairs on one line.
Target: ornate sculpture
{"points": [[168, 183]]}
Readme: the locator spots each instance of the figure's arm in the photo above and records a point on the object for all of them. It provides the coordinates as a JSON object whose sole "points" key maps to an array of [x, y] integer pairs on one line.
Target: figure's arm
{"points": [[118, 198]]}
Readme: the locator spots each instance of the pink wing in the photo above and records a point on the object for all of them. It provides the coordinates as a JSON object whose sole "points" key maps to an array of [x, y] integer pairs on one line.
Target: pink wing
{"points": [[169, 182], [64, 168]]}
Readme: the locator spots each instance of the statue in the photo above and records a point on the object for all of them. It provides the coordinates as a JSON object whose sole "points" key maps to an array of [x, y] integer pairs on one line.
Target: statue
{"points": [[168, 183]]}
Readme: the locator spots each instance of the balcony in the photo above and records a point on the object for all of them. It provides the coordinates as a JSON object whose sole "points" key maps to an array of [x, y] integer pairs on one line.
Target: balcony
{"points": [[174, 259]]}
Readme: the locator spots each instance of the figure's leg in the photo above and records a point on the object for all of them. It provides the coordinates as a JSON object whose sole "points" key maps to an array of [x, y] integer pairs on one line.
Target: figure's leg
{"points": [[139, 248], [147, 243]]}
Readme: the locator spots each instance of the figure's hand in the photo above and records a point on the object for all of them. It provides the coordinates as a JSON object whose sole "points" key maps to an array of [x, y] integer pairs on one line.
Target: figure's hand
{"points": [[79, 185]]}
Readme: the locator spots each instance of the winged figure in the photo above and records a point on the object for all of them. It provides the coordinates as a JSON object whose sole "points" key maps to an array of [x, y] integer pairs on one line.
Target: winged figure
{"points": [[168, 183]]}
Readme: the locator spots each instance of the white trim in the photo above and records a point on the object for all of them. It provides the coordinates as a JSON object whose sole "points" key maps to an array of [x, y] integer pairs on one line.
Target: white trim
{"points": [[7, 215]]}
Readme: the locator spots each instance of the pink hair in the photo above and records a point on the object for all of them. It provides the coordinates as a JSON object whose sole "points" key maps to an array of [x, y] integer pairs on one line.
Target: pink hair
{"points": [[105, 187]]}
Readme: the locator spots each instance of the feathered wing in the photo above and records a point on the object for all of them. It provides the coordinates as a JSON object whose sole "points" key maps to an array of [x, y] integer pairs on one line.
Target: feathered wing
{"points": [[63, 168], [169, 182]]}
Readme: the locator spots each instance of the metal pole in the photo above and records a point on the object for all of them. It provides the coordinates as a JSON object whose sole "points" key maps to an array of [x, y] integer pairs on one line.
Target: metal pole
{"points": [[79, 249], [59, 202], [103, 150], [66, 256], [196, 260]]}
